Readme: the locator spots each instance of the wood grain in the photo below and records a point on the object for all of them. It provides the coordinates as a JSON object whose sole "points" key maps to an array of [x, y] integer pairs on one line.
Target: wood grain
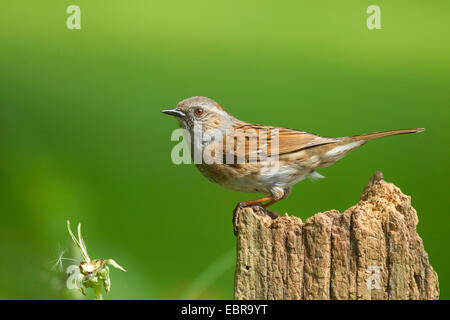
{"points": [[370, 251]]}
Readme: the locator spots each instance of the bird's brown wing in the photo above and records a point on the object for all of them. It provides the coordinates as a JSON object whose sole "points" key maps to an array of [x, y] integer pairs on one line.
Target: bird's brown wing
{"points": [[291, 141], [270, 140]]}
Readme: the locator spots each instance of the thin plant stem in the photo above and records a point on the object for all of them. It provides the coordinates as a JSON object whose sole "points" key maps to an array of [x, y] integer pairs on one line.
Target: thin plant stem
{"points": [[98, 293]]}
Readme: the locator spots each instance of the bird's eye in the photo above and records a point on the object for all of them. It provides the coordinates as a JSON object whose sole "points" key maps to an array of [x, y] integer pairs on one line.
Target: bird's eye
{"points": [[198, 111]]}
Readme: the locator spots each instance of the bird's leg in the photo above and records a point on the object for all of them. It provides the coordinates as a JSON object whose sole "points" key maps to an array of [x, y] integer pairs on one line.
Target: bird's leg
{"points": [[271, 202], [272, 214], [244, 204], [277, 197]]}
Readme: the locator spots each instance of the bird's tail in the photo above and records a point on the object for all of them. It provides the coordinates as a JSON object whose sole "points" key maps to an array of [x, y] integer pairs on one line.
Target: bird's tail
{"points": [[340, 148], [376, 135]]}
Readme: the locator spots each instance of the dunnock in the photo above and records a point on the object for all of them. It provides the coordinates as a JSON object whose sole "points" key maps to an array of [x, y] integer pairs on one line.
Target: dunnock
{"points": [[254, 158]]}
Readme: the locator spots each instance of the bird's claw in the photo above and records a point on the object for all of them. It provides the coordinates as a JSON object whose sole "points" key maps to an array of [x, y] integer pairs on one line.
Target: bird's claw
{"points": [[272, 214], [239, 206], [242, 205]]}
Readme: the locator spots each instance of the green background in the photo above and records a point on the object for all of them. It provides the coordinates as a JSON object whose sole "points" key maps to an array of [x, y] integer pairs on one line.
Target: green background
{"points": [[82, 136]]}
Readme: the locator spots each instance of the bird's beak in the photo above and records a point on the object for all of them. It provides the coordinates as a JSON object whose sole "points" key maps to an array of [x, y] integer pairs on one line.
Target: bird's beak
{"points": [[174, 112]]}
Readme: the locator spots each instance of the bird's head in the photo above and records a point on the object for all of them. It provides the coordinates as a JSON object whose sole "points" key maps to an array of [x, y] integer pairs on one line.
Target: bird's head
{"points": [[202, 112]]}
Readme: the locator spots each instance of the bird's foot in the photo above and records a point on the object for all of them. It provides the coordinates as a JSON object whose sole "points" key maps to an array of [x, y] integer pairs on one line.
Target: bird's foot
{"points": [[272, 214], [241, 205], [238, 207]]}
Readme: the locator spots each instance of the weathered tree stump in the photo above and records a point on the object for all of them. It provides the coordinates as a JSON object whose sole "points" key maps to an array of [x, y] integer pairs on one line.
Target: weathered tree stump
{"points": [[371, 251]]}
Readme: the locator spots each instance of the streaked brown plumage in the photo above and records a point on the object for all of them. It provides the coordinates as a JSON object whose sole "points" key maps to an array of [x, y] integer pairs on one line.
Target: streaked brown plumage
{"points": [[298, 153]]}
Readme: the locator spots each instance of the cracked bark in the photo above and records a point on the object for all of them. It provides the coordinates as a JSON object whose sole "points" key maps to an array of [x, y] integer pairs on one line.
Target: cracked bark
{"points": [[370, 251]]}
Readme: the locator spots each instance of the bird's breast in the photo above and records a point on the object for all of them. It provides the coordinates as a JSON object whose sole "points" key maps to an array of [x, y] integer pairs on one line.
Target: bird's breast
{"points": [[254, 177]]}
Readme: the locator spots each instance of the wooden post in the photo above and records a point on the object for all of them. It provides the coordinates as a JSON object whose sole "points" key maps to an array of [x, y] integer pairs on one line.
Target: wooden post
{"points": [[371, 251]]}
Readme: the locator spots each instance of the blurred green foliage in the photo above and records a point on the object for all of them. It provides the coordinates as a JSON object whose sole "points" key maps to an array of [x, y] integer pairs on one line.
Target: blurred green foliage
{"points": [[82, 136]]}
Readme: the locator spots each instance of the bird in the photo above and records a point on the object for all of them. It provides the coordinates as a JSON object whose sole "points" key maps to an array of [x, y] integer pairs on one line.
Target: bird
{"points": [[253, 158]]}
